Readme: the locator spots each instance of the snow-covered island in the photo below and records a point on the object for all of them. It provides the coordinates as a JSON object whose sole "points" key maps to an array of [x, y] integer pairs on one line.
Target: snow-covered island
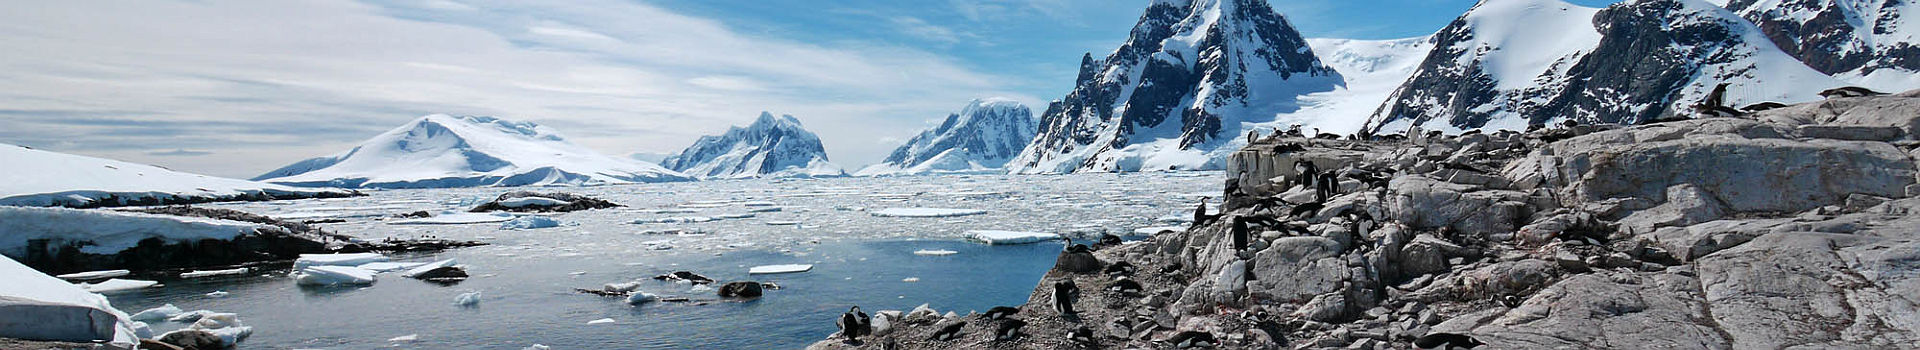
{"points": [[43, 178], [468, 151]]}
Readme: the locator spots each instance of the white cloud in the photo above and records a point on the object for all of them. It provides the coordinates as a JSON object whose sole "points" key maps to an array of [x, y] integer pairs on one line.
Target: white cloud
{"points": [[262, 84], [917, 27]]}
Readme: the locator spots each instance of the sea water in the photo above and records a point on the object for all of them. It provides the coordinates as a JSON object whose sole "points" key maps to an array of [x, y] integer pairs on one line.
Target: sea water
{"points": [[526, 278]]}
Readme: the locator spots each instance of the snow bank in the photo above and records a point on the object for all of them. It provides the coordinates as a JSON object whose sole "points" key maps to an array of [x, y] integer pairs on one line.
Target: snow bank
{"points": [[772, 269], [456, 218], [107, 232], [530, 222], [352, 259], [1010, 237], [59, 179], [333, 275], [926, 212], [36, 306]]}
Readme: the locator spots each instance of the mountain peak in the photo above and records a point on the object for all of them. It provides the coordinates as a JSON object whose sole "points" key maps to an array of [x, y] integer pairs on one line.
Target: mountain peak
{"points": [[442, 150], [770, 147], [981, 138]]}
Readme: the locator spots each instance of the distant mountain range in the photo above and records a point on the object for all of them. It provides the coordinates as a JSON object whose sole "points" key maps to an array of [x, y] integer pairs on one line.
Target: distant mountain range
{"points": [[467, 151]]}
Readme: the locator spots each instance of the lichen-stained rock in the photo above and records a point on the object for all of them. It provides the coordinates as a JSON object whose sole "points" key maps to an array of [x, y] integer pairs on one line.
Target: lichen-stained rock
{"points": [[1746, 174], [1425, 203], [1802, 290], [1297, 269], [1609, 310]]}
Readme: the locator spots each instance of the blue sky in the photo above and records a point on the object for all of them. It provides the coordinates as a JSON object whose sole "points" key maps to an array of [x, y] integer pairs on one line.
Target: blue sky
{"points": [[236, 88]]}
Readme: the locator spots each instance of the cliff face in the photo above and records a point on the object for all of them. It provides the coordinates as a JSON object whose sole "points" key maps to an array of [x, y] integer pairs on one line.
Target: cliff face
{"points": [[1648, 236]]}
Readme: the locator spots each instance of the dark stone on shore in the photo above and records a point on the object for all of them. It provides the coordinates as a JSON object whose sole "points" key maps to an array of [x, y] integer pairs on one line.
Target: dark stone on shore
{"points": [[284, 242], [574, 203], [743, 289], [193, 339], [112, 201]]}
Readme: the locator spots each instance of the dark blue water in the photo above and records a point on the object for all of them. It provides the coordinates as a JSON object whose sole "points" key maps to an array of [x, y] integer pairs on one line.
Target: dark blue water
{"points": [[530, 300]]}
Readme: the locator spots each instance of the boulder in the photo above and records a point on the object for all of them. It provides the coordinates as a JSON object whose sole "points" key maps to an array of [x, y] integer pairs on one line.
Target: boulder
{"points": [[1425, 203], [1745, 174], [193, 339], [1685, 204], [1081, 262], [740, 289], [1297, 268], [1428, 254], [1652, 311]]}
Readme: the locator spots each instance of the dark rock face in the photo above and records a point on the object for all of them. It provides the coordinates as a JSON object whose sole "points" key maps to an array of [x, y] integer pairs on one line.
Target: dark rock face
{"points": [[1443, 77], [1830, 38], [1156, 78], [773, 147], [284, 242], [575, 202], [740, 289], [1649, 51]]}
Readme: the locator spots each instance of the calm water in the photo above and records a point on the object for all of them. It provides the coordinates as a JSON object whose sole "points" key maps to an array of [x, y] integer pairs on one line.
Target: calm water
{"points": [[526, 277]]}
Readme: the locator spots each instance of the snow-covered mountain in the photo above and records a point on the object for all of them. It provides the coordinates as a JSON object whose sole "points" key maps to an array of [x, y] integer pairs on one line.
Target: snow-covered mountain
{"points": [[770, 147], [981, 138], [467, 151], [1510, 63], [43, 178], [1176, 94], [1867, 41]]}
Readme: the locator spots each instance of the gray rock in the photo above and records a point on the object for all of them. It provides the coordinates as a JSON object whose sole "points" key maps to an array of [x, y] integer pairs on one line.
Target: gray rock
{"points": [[1684, 204], [1330, 307], [1425, 203], [1654, 311], [1851, 133], [1297, 268]]}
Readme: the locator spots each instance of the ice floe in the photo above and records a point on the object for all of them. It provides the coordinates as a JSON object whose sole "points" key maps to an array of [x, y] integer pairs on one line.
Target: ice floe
{"points": [[934, 252], [385, 267], [602, 321], [784, 268], [94, 275], [116, 285], [926, 212], [333, 275], [1010, 237], [157, 314], [673, 220], [211, 273], [423, 268], [349, 259], [467, 299], [530, 222]]}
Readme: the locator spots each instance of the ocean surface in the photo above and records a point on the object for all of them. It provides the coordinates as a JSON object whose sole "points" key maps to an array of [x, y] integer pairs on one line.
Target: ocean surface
{"points": [[526, 277]]}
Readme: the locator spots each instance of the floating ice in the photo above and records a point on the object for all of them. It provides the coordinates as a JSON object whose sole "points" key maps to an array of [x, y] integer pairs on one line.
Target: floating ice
{"points": [[537, 347], [94, 275], [621, 287], [189, 316], [467, 299], [385, 267], [517, 202], [417, 270], [353, 259], [530, 222], [926, 212], [934, 252], [700, 288], [783, 223], [602, 321], [115, 285], [161, 313], [786, 268], [910, 279], [669, 211], [674, 220], [199, 274], [218, 294], [456, 219], [734, 216], [703, 205], [333, 275], [763, 209], [1010, 237], [404, 338], [638, 298]]}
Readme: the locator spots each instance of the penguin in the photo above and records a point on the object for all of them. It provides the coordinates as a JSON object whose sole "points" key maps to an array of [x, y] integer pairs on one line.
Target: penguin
{"points": [[1064, 295], [1307, 171], [1119, 268], [1327, 186], [1716, 98], [854, 324], [1253, 135], [1200, 216], [1192, 339], [1446, 341], [1109, 240], [1073, 248], [1008, 329], [1849, 91], [1239, 234], [1304, 209], [950, 331], [1124, 285], [1082, 336], [1757, 107], [999, 312]]}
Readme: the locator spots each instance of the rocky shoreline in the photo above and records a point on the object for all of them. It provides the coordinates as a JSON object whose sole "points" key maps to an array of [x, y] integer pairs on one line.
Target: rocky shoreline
{"points": [[1785, 228]]}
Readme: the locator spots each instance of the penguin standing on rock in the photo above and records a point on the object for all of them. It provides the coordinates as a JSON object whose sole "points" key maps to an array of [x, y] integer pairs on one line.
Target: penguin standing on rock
{"points": [[1064, 295], [1307, 172], [1239, 234], [854, 324], [1200, 216]]}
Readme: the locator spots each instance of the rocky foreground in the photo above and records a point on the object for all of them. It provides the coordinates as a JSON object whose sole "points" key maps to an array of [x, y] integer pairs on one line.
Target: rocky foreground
{"points": [[1789, 228]]}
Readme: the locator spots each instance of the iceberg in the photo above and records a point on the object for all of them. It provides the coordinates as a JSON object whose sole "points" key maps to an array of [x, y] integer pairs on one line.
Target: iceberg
{"points": [[351, 259], [602, 321], [34, 305], [926, 212], [115, 285], [773, 269], [199, 274], [333, 275], [467, 299], [161, 313], [996, 237], [94, 275]]}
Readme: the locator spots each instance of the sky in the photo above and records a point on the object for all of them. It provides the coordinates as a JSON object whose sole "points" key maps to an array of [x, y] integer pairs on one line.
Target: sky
{"points": [[238, 88]]}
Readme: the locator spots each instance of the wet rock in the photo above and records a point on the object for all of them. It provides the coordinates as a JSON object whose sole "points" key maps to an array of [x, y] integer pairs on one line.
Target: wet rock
{"points": [[193, 339], [543, 202], [740, 289], [443, 273]]}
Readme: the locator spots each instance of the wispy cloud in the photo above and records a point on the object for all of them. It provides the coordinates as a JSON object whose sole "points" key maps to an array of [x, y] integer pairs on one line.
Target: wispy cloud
{"points": [[260, 84]]}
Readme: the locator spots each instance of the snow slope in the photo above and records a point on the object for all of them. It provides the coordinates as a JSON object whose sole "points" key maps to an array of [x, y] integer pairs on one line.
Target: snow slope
{"points": [[770, 147], [1864, 42], [106, 231], [467, 151], [41, 178], [981, 138], [36, 306], [1177, 93]]}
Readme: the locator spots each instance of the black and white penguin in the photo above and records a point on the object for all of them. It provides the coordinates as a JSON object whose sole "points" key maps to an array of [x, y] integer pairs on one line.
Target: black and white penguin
{"points": [[1109, 240], [1200, 216], [1326, 186], [1446, 341], [1757, 107], [999, 312], [1307, 171], [1009, 329], [1239, 234], [1073, 248], [1064, 295], [1192, 339], [855, 324], [1304, 209], [1082, 336], [1119, 268], [1849, 91], [950, 331], [1124, 285]]}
